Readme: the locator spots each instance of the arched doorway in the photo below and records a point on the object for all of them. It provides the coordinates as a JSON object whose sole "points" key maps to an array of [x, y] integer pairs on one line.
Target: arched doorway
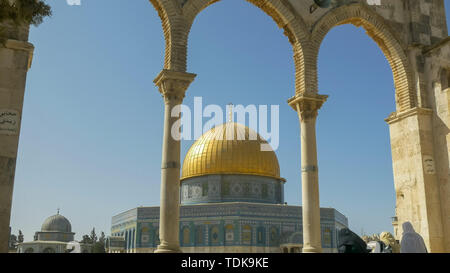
{"points": [[173, 85], [49, 250], [353, 139], [409, 109]]}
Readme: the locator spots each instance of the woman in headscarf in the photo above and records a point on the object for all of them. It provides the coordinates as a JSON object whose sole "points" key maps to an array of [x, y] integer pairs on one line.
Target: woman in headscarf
{"points": [[411, 242], [349, 242]]}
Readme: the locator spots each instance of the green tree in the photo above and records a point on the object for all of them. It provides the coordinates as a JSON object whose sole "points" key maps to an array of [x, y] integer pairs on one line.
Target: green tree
{"points": [[24, 11], [93, 236], [86, 239], [99, 247], [12, 241], [97, 243]]}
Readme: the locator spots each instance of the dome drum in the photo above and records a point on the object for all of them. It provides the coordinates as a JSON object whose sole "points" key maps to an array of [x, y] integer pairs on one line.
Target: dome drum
{"points": [[56, 228], [232, 188], [55, 236]]}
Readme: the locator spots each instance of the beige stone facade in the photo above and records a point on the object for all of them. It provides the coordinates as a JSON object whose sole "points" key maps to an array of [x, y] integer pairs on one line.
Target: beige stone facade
{"points": [[15, 59], [413, 36]]}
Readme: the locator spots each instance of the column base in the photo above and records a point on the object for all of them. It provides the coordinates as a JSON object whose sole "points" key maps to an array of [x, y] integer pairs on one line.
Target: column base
{"points": [[312, 250], [167, 249]]}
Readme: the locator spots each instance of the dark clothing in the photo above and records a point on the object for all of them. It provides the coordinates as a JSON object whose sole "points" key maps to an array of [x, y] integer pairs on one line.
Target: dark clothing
{"points": [[349, 242]]}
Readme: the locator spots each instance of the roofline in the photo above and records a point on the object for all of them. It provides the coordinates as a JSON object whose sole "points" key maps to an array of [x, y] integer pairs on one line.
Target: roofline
{"points": [[233, 173]]}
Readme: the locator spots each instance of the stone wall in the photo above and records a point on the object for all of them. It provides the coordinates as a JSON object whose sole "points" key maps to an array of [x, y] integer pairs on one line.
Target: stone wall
{"points": [[227, 227], [15, 60]]}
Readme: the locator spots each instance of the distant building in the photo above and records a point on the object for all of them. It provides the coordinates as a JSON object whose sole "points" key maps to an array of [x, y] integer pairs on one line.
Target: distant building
{"points": [[232, 200], [115, 244], [56, 233]]}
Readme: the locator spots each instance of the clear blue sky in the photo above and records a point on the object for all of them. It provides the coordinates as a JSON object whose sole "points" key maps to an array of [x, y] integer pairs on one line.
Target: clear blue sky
{"points": [[92, 120]]}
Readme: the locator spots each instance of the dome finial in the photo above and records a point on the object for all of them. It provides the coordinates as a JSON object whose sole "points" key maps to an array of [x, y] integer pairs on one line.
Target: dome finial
{"points": [[230, 112], [57, 210]]}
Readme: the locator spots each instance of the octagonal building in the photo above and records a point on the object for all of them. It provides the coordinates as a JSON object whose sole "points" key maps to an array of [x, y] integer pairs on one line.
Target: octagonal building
{"points": [[232, 200]]}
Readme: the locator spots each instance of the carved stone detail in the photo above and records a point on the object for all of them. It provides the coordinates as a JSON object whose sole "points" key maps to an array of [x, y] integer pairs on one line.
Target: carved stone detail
{"points": [[307, 105], [173, 84]]}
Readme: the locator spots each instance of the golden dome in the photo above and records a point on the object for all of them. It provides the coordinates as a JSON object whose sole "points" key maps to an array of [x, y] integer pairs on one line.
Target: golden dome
{"points": [[212, 153]]}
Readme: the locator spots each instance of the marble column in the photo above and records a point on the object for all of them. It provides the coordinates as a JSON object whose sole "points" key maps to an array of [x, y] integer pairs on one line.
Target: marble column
{"points": [[15, 60], [172, 85], [307, 106]]}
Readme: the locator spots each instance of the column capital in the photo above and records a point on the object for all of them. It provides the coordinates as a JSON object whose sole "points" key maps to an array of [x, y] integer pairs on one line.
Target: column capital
{"points": [[173, 84], [307, 105], [20, 45], [398, 116]]}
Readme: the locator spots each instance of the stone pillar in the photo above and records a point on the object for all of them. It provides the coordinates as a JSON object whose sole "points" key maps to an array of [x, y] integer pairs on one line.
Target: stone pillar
{"points": [[415, 175], [15, 60], [307, 106], [172, 86]]}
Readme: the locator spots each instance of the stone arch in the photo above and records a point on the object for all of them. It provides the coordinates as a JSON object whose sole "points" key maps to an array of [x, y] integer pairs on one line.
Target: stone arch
{"points": [[280, 11], [296, 238], [168, 12], [29, 250], [49, 250], [391, 46]]}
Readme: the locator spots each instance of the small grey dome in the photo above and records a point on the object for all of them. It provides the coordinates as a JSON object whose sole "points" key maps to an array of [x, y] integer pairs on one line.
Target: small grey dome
{"points": [[57, 223]]}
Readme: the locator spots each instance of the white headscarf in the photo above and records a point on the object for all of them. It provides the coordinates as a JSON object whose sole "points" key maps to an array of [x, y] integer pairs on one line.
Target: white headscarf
{"points": [[411, 242]]}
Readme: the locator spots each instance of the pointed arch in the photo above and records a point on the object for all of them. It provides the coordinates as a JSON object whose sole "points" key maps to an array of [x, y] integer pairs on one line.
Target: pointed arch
{"points": [[169, 11], [284, 15], [391, 46]]}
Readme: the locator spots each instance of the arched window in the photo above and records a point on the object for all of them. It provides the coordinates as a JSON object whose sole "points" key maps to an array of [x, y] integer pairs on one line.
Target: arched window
{"points": [[145, 235], [261, 236], [274, 238], [247, 235], [214, 237], [205, 189], [49, 250], [327, 237], [29, 250], [265, 191], [186, 236], [229, 234]]}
